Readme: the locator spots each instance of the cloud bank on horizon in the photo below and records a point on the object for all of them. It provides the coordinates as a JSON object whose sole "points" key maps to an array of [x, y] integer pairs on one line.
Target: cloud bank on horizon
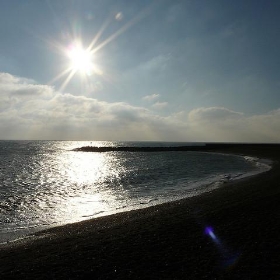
{"points": [[33, 111], [167, 71]]}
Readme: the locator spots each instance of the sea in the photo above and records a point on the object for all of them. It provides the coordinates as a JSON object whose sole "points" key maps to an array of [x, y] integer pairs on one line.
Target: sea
{"points": [[44, 184]]}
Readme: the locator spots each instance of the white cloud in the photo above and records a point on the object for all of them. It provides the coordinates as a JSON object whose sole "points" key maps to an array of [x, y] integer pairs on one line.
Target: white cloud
{"points": [[160, 105], [32, 111], [151, 97], [8, 79], [221, 124], [213, 113], [157, 63]]}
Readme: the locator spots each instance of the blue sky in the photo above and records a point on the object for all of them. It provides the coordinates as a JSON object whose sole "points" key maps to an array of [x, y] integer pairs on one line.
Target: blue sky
{"points": [[167, 70]]}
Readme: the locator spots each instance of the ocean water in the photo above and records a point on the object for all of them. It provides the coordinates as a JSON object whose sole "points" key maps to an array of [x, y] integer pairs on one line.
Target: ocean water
{"points": [[45, 183]]}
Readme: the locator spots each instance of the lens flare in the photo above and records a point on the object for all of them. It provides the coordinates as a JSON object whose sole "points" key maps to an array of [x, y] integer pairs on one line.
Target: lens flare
{"points": [[209, 231], [229, 259]]}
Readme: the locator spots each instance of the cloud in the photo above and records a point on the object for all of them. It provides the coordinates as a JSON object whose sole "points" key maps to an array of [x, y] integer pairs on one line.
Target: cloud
{"points": [[160, 105], [216, 114], [39, 112], [156, 105], [151, 97], [221, 124], [33, 111], [157, 63], [8, 79]]}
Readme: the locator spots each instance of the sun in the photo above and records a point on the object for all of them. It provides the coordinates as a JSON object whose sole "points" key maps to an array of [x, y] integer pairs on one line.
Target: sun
{"points": [[85, 61], [81, 59]]}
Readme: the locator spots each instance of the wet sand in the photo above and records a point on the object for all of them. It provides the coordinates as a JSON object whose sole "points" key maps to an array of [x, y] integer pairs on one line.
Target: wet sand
{"points": [[167, 241]]}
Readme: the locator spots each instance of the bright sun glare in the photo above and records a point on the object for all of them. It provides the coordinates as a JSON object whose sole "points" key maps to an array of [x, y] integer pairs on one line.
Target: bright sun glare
{"points": [[81, 59]]}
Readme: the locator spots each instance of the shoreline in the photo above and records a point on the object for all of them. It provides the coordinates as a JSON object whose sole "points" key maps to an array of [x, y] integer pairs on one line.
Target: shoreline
{"points": [[167, 241], [208, 185]]}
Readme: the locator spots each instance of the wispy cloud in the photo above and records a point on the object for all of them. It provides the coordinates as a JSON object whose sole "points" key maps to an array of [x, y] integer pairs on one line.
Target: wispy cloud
{"points": [[151, 97], [214, 114], [160, 105]]}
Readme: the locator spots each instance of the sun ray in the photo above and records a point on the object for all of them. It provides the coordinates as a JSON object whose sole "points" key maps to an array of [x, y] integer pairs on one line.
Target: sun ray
{"points": [[99, 33], [67, 80], [60, 75], [137, 18], [81, 59]]}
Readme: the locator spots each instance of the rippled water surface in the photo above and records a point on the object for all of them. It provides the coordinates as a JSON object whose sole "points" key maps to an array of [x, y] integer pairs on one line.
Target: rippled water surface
{"points": [[44, 183]]}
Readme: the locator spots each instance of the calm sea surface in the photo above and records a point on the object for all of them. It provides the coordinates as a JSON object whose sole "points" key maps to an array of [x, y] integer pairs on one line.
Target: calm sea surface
{"points": [[45, 183]]}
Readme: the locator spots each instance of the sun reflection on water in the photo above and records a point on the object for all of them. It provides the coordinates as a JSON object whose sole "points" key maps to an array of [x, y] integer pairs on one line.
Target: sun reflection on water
{"points": [[84, 207], [85, 168], [88, 192]]}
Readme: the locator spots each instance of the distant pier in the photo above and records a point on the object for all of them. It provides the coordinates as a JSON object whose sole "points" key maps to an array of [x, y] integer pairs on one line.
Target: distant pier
{"points": [[199, 147]]}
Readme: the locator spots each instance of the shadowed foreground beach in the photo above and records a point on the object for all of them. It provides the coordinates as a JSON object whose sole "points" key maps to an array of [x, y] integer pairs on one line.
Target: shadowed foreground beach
{"points": [[230, 233]]}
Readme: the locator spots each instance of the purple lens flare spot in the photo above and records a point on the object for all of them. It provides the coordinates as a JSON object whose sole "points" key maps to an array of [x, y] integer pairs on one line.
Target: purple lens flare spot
{"points": [[209, 231]]}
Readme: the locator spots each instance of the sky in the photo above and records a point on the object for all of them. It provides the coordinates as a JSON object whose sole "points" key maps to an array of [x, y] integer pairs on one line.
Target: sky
{"points": [[189, 70]]}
